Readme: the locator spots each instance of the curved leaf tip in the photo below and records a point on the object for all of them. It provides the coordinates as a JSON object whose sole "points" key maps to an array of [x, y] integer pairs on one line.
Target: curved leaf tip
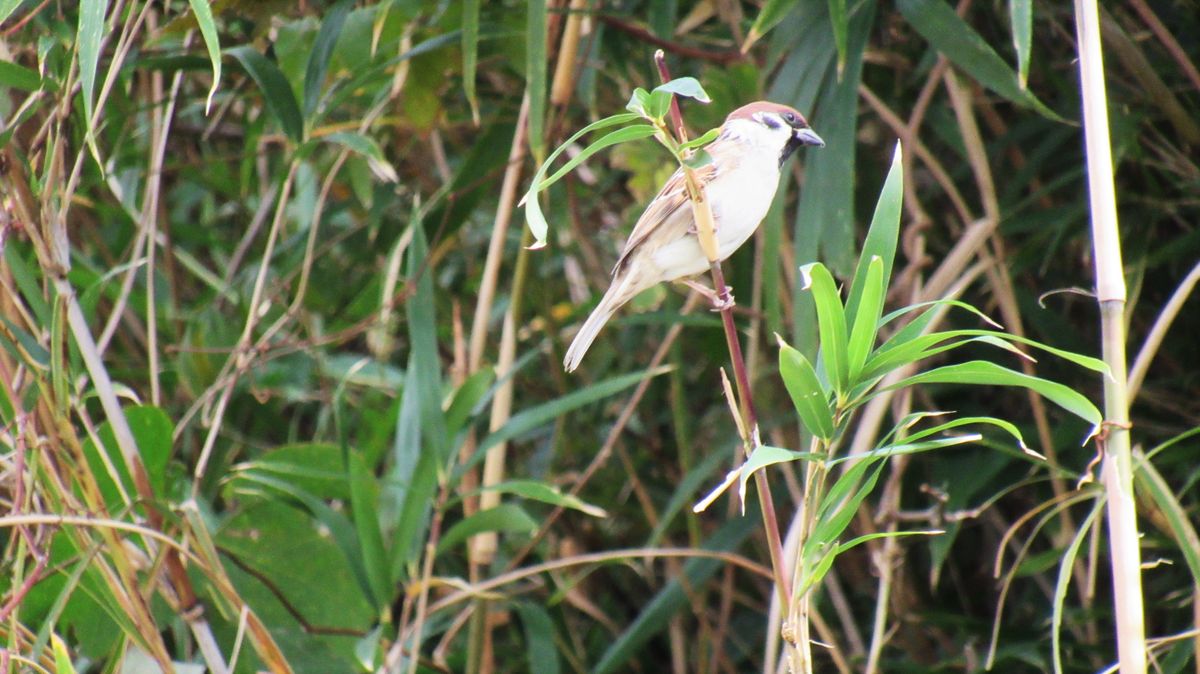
{"points": [[806, 274]]}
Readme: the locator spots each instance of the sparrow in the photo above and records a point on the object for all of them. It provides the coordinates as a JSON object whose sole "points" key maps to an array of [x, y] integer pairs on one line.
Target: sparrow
{"points": [[739, 182]]}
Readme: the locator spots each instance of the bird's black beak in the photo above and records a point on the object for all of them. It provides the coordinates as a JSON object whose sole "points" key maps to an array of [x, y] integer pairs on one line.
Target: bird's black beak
{"points": [[807, 136]]}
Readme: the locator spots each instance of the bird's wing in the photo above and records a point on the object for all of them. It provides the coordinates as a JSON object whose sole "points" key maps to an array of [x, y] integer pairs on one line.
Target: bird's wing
{"points": [[664, 210]]}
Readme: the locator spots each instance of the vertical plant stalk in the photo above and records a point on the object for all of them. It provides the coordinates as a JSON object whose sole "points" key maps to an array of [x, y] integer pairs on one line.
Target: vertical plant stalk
{"points": [[1117, 471], [706, 231], [481, 549]]}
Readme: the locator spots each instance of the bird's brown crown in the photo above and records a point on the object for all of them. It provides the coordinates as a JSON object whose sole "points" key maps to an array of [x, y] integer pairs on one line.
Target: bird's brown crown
{"points": [[749, 110]]}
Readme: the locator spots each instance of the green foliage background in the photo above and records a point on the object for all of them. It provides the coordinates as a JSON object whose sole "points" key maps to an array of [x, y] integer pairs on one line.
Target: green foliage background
{"points": [[280, 287]]}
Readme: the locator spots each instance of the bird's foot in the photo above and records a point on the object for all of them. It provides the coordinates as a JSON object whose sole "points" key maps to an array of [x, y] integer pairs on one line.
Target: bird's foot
{"points": [[719, 302]]}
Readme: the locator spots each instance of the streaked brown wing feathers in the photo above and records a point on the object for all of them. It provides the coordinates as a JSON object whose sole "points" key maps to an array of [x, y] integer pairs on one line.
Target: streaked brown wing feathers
{"points": [[671, 198]]}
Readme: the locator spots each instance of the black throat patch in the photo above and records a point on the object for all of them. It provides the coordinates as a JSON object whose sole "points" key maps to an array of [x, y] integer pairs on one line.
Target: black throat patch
{"points": [[788, 148]]}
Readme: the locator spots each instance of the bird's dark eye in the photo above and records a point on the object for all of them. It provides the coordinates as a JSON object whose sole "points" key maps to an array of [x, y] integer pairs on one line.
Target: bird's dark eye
{"points": [[789, 117]]}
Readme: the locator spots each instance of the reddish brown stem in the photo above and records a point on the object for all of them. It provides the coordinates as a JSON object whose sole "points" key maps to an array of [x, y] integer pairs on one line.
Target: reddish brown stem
{"points": [[742, 380]]}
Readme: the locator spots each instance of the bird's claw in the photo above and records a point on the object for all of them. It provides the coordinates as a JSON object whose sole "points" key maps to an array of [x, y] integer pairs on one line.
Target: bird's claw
{"points": [[719, 302]]}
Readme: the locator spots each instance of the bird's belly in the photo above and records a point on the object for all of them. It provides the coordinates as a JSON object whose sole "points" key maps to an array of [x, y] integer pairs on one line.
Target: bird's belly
{"points": [[740, 202]]}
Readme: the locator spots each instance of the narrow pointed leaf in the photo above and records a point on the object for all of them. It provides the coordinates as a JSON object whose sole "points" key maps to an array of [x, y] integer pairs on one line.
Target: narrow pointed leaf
{"points": [[831, 323], [530, 419], [809, 398], [629, 133], [700, 141], [978, 372], [506, 517], [688, 87], [535, 73], [760, 458], [7, 7], [470, 51], [1021, 14], [545, 493], [841, 25], [866, 319], [366, 147], [1064, 582], [540, 650], [533, 210], [208, 30], [275, 90], [768, 17], [88, 36], [947, 32], [1179, 521], [322, 51], [883, 233]]}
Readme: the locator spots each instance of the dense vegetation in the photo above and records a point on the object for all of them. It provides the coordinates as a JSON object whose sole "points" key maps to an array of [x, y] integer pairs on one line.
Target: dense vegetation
{"points": [[270, 316]]}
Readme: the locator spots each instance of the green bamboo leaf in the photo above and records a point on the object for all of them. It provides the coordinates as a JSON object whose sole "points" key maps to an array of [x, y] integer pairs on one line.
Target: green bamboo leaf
{"points": [[978, 372], [470, 51], [364, 508], [824, 224], [1006, 426], [839, 506], [1065, 565], [13, 76], [688, 87], [822, 567], [625, 135], [318, 468], [923, 319], [887, 359], [1021, 14], [275, 90], [768, 17], [466, 398], [659, 105], [761, 457], [30, 350], [841, 25], [700, 141], [1179, 522], [368, 149], [505, 518], [208, 31], [831, 323], [322, 51], [883, 233], [906, 447], [421, 448], [539, 638], [540, 415], [946, 31], [535, 73], [88, 36], [340, 529], [866, 319], [639, 102], [7, 7], [533, 210], [545, 493], [62, 657], [809, 398]]}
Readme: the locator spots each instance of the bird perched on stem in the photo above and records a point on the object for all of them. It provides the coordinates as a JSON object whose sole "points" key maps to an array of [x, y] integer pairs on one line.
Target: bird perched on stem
{"points": [[739, 184]]}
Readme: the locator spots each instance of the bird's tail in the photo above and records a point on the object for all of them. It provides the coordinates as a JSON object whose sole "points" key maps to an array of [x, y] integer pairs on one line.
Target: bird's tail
{"points": [[618, 294]]}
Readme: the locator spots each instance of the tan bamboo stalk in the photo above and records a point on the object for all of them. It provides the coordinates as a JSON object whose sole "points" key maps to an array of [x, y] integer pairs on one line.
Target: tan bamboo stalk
{"points": [[1117, 470]]}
